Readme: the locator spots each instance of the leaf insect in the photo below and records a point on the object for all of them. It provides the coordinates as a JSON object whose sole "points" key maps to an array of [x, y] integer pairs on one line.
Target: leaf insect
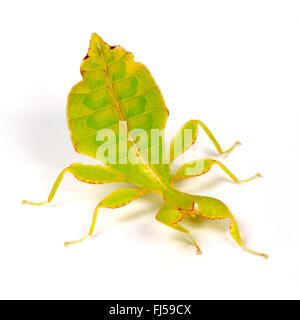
{"points": [[117, 99]]}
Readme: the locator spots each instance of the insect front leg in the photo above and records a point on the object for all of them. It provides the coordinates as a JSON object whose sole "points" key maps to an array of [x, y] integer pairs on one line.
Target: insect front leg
{"points": [[170, 217], [85, 173], [214, 209]]}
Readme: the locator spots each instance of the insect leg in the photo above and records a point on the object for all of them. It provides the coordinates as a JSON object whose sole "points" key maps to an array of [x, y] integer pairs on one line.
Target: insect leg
{"points": [[52, 192], [86, 173], [92, 227], [214, 140], [170, 217], [199, 167], [232, 176], [214, 209], [116, 199], [182, 143]]}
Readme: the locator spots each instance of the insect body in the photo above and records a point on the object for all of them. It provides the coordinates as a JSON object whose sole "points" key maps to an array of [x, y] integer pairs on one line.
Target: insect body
{"points": [[117, 114]]}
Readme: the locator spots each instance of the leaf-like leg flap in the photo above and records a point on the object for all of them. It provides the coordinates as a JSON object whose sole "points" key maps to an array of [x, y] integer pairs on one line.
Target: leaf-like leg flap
{"points": [[212, 208], [187, 135], [87, 173], [116, 199], [170, 217], [198, 167]]}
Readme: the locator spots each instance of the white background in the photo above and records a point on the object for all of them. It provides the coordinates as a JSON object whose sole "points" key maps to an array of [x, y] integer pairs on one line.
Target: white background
{"points": [[232, 64]]}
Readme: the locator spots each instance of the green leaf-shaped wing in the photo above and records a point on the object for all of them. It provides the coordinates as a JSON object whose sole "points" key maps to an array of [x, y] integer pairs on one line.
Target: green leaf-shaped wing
{"points": [[117, 94]]}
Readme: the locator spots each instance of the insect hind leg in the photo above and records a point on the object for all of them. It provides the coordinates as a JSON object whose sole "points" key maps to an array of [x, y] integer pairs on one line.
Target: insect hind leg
{"points": [[214, 140]]}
